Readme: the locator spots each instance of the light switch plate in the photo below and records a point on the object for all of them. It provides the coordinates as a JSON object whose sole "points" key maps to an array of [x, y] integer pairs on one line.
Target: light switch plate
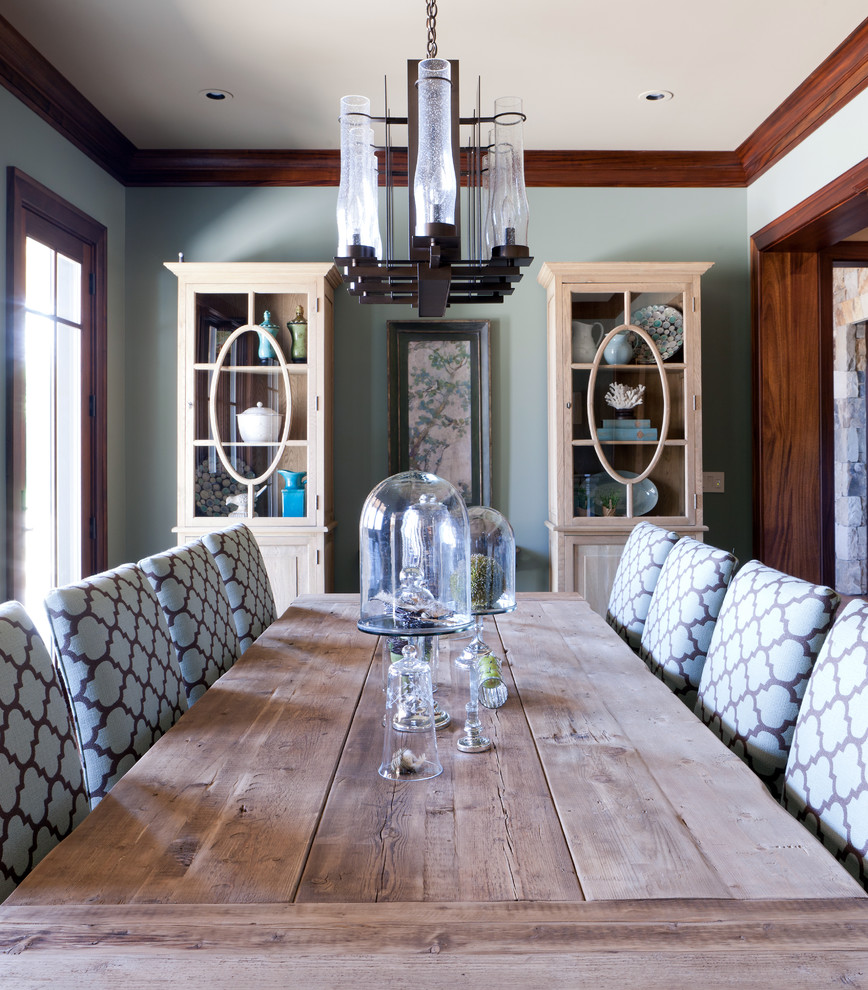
{"points": [[712, 481]]}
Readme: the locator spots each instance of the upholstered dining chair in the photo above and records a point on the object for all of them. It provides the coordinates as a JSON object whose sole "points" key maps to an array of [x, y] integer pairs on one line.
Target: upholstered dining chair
{"points": [[768, 634], [243, 571], [42, 795], [646, 548], [826, 777], [193, 597], [682, 615], [118, 667]]}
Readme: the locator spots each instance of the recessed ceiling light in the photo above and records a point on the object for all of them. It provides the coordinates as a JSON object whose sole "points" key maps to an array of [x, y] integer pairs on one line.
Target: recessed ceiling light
{"points": [[215, 94], [655, 95]]}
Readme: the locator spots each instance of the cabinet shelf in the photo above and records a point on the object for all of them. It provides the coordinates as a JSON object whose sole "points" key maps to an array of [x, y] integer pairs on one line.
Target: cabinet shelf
{"points": [[630, 443], [243, 443], [586, 366], [254, 369]]}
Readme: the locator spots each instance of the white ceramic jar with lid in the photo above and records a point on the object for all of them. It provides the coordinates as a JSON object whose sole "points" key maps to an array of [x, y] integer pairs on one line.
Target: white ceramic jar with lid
{"points": [[259, 424]]}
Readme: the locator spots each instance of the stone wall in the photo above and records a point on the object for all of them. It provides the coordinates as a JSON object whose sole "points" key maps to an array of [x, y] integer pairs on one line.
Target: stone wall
{"points": [[850, 288]]}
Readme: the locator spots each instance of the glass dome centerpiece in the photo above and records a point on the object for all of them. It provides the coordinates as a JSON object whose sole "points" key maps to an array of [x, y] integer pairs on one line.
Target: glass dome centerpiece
{"points": [[414, 544], [492, 591]]}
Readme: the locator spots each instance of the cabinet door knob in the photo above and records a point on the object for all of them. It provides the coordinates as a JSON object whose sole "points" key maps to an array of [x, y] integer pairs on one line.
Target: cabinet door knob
{"points": [[569, 405]]}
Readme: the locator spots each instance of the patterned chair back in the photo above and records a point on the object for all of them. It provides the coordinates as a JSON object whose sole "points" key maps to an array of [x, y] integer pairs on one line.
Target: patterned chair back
{"points": [[646, 548], [41, 784], [243, 571], [193, 598], [767, 637], [683, 613], [118, 667], [826, 779]]}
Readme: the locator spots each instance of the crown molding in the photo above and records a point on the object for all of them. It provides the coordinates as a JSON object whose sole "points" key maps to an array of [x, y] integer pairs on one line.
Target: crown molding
{"points": [[31, 78], [562, 169], [233, 168], [553, 169], [843, 75], [35, 81]]}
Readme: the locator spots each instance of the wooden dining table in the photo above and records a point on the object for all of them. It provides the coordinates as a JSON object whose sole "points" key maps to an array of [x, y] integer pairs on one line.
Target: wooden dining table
{"points": [[607, 839]]}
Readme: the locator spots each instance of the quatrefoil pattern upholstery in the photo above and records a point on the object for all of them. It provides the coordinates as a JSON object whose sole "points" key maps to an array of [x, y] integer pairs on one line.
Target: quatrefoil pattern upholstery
{"points": [[826, 782], [646, 548], [243, 571], [193, 598], [118, 666], [767, 637], [42, 796], [683, 612]]}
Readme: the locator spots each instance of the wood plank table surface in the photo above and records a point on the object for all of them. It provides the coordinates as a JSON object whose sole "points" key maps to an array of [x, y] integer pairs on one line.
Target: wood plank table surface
{"points": [[607, 840]]}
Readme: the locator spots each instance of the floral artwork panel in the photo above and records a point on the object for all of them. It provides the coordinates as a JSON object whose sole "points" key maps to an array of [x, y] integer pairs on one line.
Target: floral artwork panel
{"points": [[439, 412], [439, 403]]}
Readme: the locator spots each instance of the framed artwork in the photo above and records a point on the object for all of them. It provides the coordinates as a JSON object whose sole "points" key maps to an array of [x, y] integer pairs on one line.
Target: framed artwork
{"points": [[439, 393]]}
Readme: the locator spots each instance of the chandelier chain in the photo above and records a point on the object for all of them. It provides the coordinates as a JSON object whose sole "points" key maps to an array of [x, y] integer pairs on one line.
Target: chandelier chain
{"points": [[431, 24]]}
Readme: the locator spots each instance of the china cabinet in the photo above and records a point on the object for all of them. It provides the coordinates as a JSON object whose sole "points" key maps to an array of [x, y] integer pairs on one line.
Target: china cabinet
{"points": [[255, 412], [629, 332]]}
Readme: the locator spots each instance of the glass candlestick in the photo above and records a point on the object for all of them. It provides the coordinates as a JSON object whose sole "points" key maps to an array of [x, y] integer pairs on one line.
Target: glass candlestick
{"points": [[473, 740]]}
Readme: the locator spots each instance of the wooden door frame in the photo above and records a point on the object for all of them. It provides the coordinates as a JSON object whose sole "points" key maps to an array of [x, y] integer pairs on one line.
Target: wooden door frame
{"points": [[796, 535], [28, 198]]}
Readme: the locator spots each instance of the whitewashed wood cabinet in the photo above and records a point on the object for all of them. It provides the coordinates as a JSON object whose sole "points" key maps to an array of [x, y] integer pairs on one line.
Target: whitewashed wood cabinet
{"points": [[214, 299], [659, 450]]}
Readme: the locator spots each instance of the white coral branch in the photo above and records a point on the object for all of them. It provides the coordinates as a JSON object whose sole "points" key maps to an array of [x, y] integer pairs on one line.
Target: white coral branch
{"points": [[624, 396]]}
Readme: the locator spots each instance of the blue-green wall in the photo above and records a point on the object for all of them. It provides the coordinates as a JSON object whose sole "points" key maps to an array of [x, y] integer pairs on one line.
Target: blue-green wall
{"points": [[150, 226], [566, 225]]}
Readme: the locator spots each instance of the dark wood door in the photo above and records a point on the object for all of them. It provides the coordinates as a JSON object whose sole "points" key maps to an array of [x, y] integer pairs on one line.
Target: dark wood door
{"points": [[792, 415], [791, 275]]}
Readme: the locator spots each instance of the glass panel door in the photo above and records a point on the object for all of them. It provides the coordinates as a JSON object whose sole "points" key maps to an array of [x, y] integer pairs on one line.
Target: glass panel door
{"points": [[52, 495]]}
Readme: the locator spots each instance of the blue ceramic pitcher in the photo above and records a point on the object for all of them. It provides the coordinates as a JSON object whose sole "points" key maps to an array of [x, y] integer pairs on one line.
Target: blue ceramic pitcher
{"points": [[293, 492]]}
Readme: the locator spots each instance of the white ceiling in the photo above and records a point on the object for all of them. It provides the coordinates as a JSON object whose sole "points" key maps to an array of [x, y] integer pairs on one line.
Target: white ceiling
{"points": [[578, 64]]}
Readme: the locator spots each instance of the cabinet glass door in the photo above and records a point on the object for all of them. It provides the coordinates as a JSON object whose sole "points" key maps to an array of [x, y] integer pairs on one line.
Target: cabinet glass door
{"points": [[250, 375], [627, 436]]}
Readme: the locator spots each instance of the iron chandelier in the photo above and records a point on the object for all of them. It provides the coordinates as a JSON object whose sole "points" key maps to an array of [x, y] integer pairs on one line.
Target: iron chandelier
{"points": [[433, 163]]}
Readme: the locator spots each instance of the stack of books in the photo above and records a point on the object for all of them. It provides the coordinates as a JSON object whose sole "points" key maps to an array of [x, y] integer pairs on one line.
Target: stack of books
{"points": [[635, 430]]}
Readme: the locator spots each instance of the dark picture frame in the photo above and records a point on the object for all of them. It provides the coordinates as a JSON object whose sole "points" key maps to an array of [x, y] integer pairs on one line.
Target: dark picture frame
{"points": [[439, 402]]}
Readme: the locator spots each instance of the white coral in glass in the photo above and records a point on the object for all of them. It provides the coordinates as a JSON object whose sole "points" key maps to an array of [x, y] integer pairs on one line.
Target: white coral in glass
{"points": [[624, 396]]}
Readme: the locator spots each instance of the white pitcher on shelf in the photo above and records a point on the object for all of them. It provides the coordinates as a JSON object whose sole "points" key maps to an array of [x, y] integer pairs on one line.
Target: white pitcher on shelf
{"points": [[585, 342]]}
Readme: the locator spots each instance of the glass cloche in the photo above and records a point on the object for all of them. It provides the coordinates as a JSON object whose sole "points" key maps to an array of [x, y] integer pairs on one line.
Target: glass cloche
{"points": [[414, 543], [492, 561]]}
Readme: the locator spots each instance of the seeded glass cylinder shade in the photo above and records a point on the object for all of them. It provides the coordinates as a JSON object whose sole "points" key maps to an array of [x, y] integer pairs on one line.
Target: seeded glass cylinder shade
{"points": [[509, 196], [434, 184], [357, 215]]}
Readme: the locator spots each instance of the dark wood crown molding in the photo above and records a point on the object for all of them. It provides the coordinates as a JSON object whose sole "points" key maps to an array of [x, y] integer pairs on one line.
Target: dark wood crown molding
{"points": [[843, 75], [30, 77], [27, 74], [554, 169], [233, 168], [562, 169]]}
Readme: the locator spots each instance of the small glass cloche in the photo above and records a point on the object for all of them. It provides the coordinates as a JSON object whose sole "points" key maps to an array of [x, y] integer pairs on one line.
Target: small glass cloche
{"points": [[414, 544], [492, 561]]}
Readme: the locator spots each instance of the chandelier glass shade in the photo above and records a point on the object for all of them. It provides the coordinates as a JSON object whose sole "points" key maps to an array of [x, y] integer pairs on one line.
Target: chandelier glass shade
{"points": [[443, 264]]}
